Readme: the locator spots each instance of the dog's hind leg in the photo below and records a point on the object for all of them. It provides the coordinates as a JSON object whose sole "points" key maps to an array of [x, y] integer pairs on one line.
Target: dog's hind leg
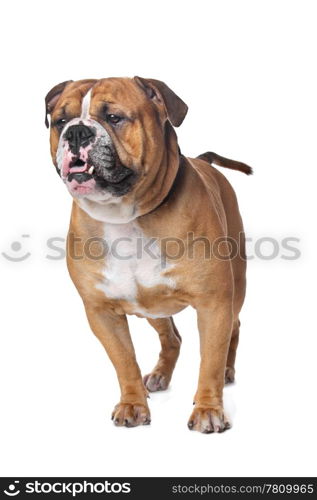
{"points": [[170, 339], [230, 371], [239, 268]]}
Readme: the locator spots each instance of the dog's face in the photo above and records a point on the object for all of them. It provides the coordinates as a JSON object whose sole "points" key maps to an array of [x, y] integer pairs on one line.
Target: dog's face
{"points": [[106, 135]]}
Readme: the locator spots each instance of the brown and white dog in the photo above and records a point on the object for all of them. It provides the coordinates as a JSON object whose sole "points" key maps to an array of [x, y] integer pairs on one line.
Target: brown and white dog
{"points": [[151, 232]]}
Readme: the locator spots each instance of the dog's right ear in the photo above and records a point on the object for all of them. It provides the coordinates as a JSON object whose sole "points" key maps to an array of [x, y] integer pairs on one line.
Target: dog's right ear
{"points": [[52, 98]]}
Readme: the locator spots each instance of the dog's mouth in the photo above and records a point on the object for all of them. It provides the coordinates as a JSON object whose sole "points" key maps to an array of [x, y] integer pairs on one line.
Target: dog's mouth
{"points": [[85, 177]]}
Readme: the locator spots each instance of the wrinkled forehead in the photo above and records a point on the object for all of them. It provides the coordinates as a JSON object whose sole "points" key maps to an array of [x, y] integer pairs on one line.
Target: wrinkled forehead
{"points": [[117, 91], [120, 92]]}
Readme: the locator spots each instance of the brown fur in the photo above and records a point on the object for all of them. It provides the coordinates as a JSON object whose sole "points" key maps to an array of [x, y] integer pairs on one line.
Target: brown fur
{"points": [[174, 196]]}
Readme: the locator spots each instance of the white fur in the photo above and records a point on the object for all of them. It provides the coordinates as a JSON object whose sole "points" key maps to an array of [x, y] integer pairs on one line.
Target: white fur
{"points": [[108, 208], [128, 264], [85, 105], [147, 314]]}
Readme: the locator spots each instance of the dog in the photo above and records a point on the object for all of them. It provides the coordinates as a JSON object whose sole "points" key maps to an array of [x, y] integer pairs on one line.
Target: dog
{"points": [[143, 218]]}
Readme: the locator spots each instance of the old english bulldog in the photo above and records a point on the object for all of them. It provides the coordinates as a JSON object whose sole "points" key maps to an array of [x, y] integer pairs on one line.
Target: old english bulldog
{"points": [[151, 233]]}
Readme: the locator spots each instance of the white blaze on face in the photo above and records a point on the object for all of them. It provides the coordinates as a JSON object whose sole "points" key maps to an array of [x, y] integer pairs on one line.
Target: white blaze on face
{"points": [[85, 105]]}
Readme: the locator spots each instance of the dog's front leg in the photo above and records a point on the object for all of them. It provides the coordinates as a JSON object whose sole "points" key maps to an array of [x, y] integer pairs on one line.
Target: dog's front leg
{"points": [[215, 325], [113, 332]]}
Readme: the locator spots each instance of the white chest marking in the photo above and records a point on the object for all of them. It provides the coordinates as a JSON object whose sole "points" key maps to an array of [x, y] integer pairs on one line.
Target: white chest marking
{"points": [[108, 208], [132, 259]]}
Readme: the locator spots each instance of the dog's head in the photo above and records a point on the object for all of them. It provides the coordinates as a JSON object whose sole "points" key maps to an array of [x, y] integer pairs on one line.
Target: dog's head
{"points": [[110, 137]]}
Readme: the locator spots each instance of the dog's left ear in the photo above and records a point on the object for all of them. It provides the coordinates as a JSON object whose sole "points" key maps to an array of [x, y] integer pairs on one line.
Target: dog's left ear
{"points": [[158, 91], [52, 98]]}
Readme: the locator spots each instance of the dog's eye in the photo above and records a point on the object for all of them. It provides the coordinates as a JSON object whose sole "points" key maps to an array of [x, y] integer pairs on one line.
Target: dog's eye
{"points": [[114, 119], [60, 124]]}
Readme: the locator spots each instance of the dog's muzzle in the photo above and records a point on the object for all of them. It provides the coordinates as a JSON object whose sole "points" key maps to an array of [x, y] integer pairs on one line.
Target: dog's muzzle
{"points": [[88, 162]]}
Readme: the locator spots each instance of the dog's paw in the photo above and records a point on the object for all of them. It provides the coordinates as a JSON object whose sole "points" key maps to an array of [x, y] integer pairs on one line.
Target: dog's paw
{"points": [[156, 381], [229, 375], [207, 419], [131, 415]]}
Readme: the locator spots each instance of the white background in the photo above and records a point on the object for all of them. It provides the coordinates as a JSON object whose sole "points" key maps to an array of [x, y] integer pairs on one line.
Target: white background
{"points": [[247, 70]]}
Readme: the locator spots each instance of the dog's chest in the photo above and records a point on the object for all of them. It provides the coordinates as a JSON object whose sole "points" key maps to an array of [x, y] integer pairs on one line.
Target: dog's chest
{"points": [[132, 260]]}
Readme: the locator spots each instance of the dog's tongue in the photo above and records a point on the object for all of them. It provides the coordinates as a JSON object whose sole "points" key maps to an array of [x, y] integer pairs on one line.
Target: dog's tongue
{"points": [[74, 170]]}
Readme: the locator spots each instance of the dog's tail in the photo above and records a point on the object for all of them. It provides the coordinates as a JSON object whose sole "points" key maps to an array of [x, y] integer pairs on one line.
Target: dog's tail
{"points": [[225, 162]]}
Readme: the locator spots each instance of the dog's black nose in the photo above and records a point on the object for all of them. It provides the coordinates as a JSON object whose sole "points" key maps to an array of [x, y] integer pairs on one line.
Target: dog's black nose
{"points": [[77, 136]]}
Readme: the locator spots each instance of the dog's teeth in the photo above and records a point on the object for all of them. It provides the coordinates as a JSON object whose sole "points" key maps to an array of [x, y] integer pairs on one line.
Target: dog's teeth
{"points": [[90, 171]]}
